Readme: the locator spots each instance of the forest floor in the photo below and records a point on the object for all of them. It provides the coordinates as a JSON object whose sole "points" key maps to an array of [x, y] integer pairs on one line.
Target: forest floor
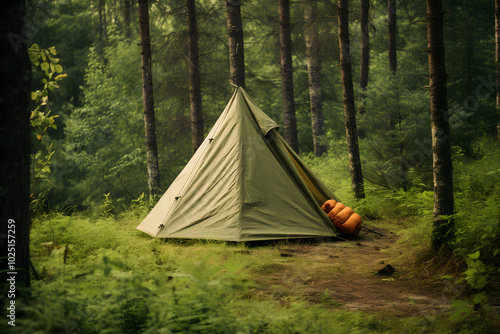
{"points": [[336, 281], [345, 275]]}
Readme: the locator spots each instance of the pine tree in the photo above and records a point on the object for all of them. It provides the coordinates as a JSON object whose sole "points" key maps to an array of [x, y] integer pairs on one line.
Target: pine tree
{"points": [[497, 60], [348, 97], [441, 147], [148, 102], [313, 71], [365, 53], [289, 119], [15, 70], [194, 78], [391, 17], [236, 47]]}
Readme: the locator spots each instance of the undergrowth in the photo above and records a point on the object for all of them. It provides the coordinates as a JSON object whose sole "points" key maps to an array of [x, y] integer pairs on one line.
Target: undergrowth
{"points": [[103, 276], [98, 274], [474, 256]]}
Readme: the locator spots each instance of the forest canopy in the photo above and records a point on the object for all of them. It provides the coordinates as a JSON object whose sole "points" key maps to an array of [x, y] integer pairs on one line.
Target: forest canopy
{"points": [[99, 141]]}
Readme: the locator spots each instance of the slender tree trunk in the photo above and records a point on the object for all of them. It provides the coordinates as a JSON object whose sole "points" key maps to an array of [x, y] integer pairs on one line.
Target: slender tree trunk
{"points": [[289, 119], [365, 53], [313, 70], [393, 66], [15, 70], [194, 78], [393, 59], [103, 26], [126, 17], [348, 97], [148, 102], [236, 49], [497, 60], [441, 148]]}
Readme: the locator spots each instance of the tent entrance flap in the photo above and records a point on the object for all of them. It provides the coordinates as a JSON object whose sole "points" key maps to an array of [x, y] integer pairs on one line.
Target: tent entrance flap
{"points": [[318, 196], [320, 192]]}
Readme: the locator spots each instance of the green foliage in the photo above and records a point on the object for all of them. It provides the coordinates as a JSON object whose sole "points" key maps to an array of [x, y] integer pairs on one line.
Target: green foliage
{"points": [[396, 126], [106, 208], [101, 151], [98, 276], [139, 206], [40, 118], [477, 196]]}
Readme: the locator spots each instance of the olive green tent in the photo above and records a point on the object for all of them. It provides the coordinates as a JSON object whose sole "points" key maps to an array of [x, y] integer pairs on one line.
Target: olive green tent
{"points": [[243, 183]]}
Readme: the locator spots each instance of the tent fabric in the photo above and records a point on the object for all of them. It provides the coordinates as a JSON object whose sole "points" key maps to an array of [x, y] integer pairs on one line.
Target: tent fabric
{"points": [[243, 183]]}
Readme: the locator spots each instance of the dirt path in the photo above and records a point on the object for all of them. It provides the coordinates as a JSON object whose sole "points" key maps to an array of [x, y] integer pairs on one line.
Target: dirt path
{"points": [[344, 275]]}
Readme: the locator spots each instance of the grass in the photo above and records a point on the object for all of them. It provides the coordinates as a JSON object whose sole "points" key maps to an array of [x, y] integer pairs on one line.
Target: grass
{"points": [[103, 276]]}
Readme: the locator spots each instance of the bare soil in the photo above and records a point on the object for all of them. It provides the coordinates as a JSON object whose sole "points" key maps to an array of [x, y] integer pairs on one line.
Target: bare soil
{"points": [[344, 275]]}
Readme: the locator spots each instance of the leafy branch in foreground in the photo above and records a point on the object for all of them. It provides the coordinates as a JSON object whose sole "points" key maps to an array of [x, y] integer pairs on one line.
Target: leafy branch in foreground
{"points": [[40, 118]]}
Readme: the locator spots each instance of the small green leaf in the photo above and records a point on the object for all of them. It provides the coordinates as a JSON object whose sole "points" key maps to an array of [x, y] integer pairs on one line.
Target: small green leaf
{"points": [[58, 68], [480, 298], [45, 66], [474, 255]]}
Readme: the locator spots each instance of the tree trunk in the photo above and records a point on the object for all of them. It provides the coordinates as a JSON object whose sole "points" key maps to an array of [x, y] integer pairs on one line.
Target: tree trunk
{"points": [[194, 78], [365, 53], [126, 17], [289, 119], [148, 102], [236, 49], [348, 97], [15, 70], [497, 60], [391, 17], [441, 148], [103, 26], [313, 70]]}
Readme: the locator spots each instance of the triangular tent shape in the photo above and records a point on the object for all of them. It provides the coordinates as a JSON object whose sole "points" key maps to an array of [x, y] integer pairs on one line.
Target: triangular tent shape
{"points": [[243, 183]]}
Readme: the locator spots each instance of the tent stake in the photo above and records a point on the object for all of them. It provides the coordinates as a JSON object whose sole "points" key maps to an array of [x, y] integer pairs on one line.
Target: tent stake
{"points": [[369, 229]]}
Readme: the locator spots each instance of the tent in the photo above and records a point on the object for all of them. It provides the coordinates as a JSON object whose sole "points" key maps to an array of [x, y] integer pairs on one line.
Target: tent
{"points": [[243, 183]]}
